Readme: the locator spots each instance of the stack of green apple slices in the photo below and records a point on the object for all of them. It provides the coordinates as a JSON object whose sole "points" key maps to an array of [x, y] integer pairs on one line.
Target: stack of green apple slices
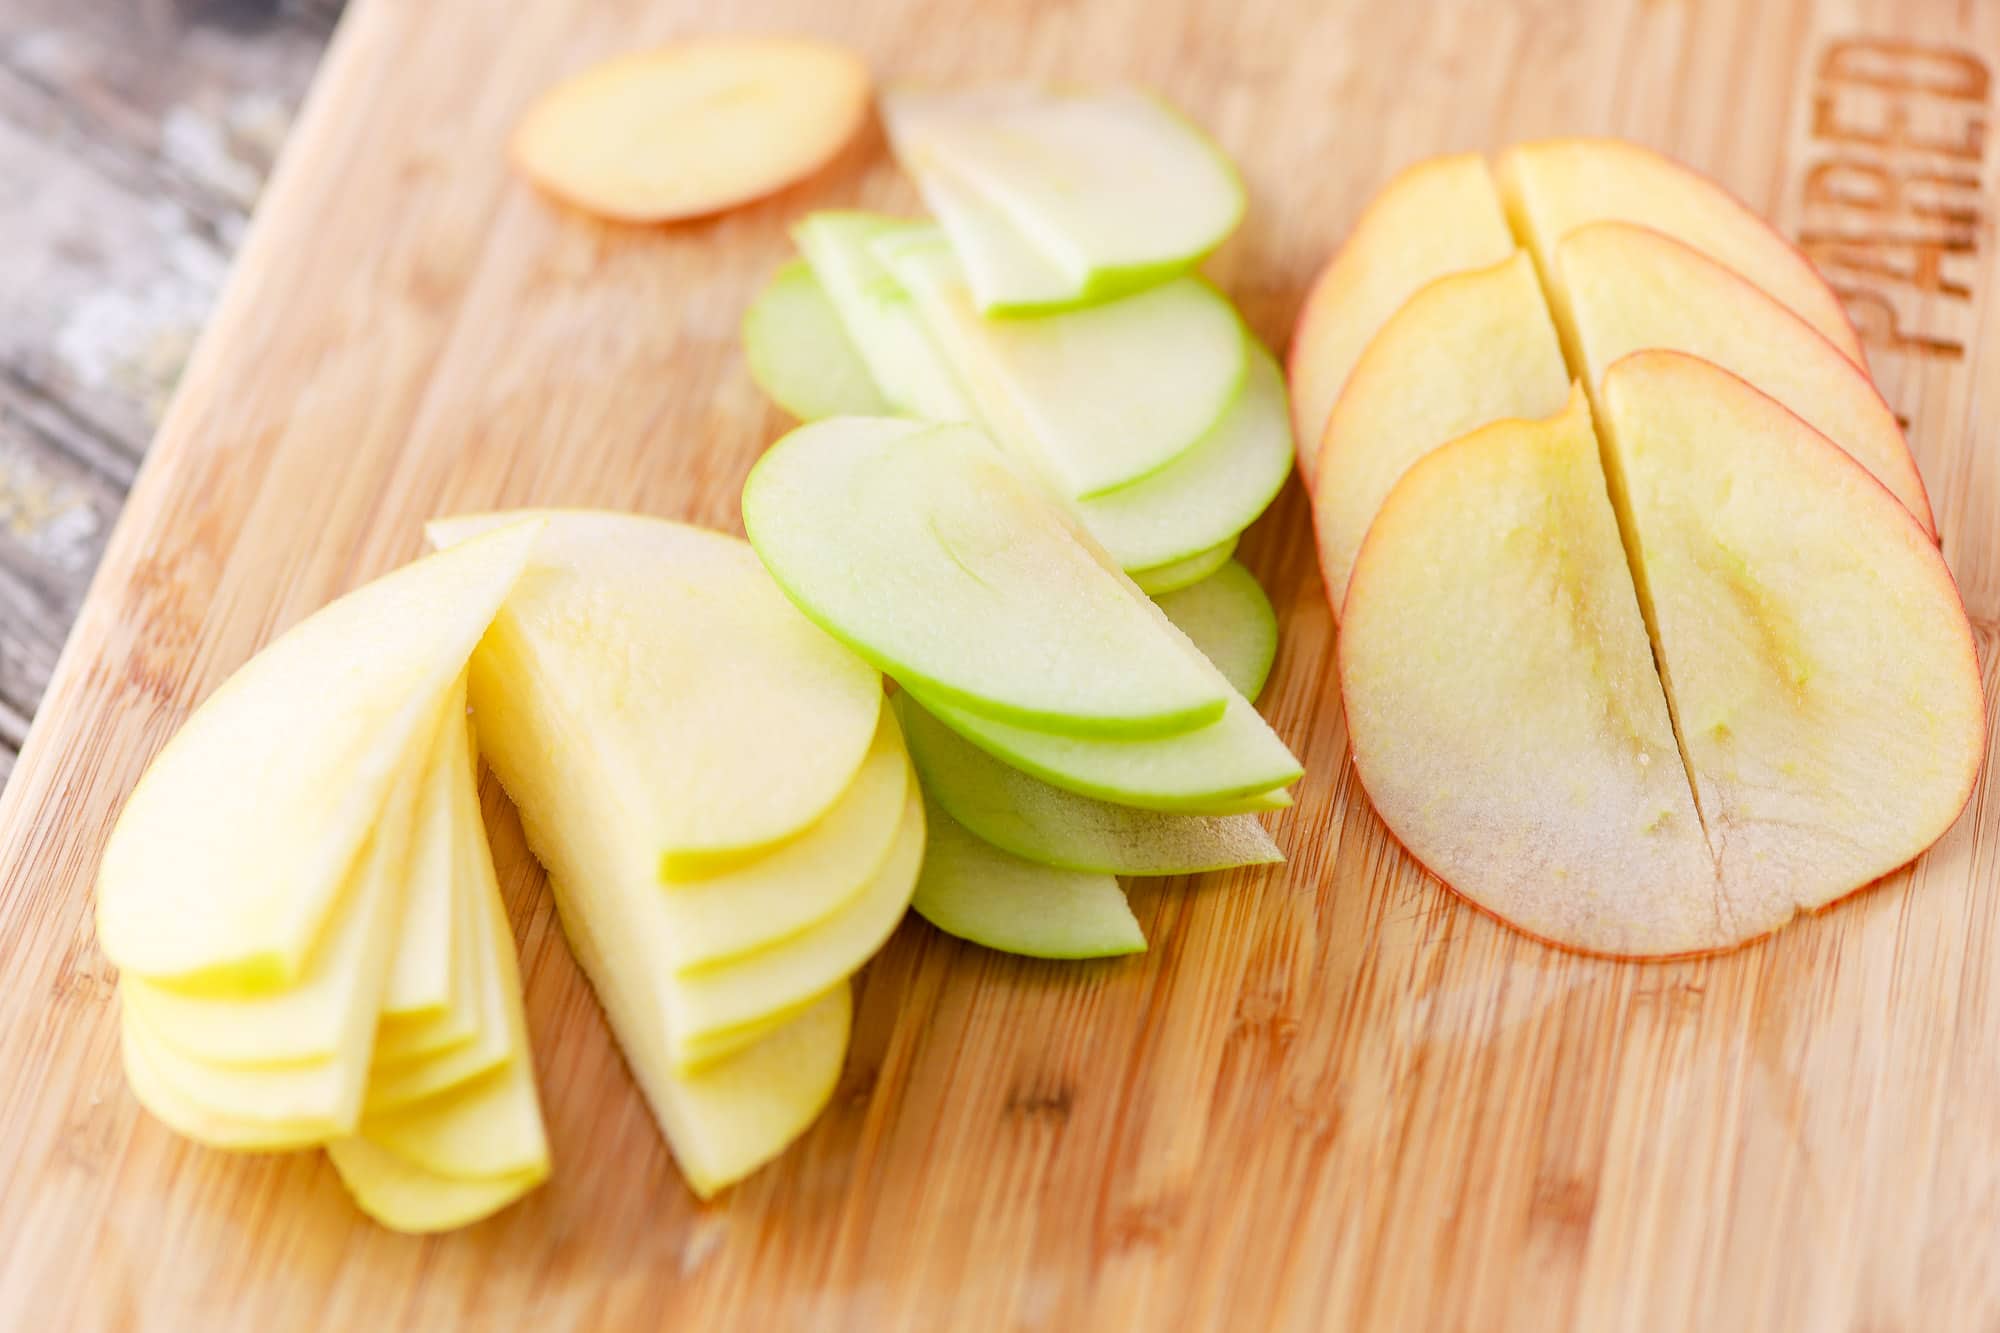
{"points": [[304, 911], [1066, 728]]}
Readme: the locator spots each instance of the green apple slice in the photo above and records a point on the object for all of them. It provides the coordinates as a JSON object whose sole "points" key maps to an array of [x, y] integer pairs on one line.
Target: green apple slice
{"points": [[1118, 190], [933, 559], [976, 891], [217, 883], [997, 257], [1090, 399], [1230, 619], [410, 1199], [799, 352], [880, 319], [702, 694], [1052, 827], [1163, 579]]}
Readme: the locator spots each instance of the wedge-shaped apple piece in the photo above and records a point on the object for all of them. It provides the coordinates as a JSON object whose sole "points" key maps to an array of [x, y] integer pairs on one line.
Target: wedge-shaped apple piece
{"points": [[997, 256], [1815, 650], [978, 892], [928, 555], [880, 317], [1112, 187], [1092, 399], [1557, 185], [210, 881], [1032, 820], [1438, 217], [1469, 349], [1502, 702], [693, 128], [410, 1199], [1158, 580], [1621, 288], [731, 722], [800, 354], [1229, 618]]}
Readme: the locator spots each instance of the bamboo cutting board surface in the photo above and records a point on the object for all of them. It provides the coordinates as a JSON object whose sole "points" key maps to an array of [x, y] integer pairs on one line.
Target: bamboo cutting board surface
{"points": [[1331, 1095]]}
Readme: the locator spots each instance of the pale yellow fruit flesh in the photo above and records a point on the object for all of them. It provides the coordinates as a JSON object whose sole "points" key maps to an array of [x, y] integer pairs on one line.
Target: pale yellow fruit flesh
{"points": [[421, 981], [1440, 216], [407, 1198], [231, 854], [1814, 646], [1469, 349], [1619, 288], [693, 128]]}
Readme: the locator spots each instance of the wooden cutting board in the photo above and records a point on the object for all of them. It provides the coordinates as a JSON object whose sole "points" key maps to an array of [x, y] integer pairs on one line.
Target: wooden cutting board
{"points": [[1331, 1095]]}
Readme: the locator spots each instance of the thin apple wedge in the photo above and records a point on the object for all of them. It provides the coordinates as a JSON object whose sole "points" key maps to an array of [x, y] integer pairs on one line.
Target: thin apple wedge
{"points": [[1228, 617], [800, 354], [410, 1199], [1159, 580]]}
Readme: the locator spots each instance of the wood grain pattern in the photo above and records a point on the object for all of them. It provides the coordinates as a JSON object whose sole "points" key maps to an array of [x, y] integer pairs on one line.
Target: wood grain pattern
{"points": [[1331, 1095]]}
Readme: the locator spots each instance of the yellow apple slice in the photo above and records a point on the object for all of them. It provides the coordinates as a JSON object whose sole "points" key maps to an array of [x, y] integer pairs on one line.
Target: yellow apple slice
{"points": [[1815, 650], [178, 1111], [408, 1198], [693, 128], [1620, 288], [1469, 349], [421, 982], [214, 881], [707, 700], [1502, 702], [1557, 185], [1440, 216]]}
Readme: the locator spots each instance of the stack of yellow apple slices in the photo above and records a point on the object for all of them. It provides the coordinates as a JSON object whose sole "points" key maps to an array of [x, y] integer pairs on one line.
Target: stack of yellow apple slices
{"points": [[723, 803], [303, 909], [1650, 664]]}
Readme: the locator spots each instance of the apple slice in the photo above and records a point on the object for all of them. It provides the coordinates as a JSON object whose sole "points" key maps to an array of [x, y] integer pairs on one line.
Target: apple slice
{"points": [[1229, 618], [179, 1111], [1555, 186], [1815, 650], [693, 128], [1502, 702], [1091, 399], [996, 256], [409, 1199], [1620, 288], [1438, 217], [880, 318], [1032, 820], [799, 352], [213, 882], [1163, 579], [930, 557], [1469, 349], [1114, 188], [689, 678], [977, 892]]}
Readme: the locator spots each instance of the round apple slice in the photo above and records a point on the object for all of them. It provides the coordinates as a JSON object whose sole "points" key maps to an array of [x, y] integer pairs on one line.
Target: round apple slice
{"points": [[799, 352], [930, 557], [693, 128], [1814, 646]]}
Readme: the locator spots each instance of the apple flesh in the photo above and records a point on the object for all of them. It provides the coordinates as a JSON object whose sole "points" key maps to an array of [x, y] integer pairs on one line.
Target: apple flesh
{"points": [[1158, 580], [800, 354], [1228, 617]]}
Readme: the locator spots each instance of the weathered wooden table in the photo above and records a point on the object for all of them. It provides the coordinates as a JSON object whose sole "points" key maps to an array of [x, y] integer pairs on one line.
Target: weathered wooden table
{"points": [[134, 138]]}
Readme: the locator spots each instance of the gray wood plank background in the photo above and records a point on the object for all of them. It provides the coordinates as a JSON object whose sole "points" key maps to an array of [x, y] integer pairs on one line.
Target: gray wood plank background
{"points": [[134, 138]]}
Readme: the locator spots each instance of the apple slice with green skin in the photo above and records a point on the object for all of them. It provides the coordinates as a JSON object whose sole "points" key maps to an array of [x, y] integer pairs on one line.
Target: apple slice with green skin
{"points": [[996, 256], [1557, 185], [880, 318], [1163, 579], [1815, 650], [409, 1199], [1091, 399], [689, 678], [1229, 618], [210, 882], [800, 354], [1469, 349], [1502, 703], [1438, 217], [976, 891], [930, 557], [1620, 288], [1031, 820], [1118, 191]]}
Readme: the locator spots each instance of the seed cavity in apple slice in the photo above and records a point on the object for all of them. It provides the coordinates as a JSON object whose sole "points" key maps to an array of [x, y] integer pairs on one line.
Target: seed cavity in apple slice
{"points": [[800, 354], [1115, 190], [929, 556]]}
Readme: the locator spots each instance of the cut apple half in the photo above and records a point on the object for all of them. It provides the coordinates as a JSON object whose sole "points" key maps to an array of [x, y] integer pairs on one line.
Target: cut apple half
{"points": [[800, 354], [1438, 217], [1091, 399], [980, 893], [210, 882], [1229, 618], [1557, 185], [1115, 189], [1159, 580], [933, 559], [1620, 288], [693, 128], [1469, 349]]}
